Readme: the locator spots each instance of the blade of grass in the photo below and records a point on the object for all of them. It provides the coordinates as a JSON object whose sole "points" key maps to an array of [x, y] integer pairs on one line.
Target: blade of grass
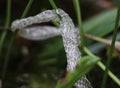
{"points": [[7, 22], [102, 66], [97, 47], [53, 4], [2, 38], [84, 66], [27, 8], [8, 16], [106, 41], [111, 48], [7, 55], [55, 7], [78, 12], [12, 40]]}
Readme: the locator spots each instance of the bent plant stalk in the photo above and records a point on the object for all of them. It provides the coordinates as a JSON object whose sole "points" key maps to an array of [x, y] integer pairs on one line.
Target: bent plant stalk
{"points": [[70, 35]]}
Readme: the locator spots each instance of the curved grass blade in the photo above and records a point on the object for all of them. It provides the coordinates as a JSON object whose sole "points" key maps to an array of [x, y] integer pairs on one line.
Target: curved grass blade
{"points": [[84, 66], [102, 66], [78, 12], [111, 48]]}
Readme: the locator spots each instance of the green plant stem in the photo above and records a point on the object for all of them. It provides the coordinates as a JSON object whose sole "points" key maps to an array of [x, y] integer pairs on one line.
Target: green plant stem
{"points": [[8, 54], [53, 4], [111, 48], [78, 12], [102, 66], [7, 22], [2, 38], [12, 40], [27, 8], [83, 67], [8, 16]]}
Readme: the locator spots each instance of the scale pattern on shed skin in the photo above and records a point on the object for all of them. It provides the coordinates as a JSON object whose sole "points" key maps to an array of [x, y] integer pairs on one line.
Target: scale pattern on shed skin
{"points": [[39, 32], [70, 35]]}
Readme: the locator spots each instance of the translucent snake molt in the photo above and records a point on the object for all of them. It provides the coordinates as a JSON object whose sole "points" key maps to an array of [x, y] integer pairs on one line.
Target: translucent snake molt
{"points": [[70, 35]]}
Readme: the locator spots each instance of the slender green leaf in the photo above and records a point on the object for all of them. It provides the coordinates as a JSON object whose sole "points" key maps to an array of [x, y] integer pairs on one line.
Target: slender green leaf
{"points": [[84, 66], [53, 4], [2, 38], [7, 56], [111, 48], [55, 7], [102, 66], [97, 47], [101, 24], [100, 20], [80, 26], [8, 12], [7, 22], [27, 8]]}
